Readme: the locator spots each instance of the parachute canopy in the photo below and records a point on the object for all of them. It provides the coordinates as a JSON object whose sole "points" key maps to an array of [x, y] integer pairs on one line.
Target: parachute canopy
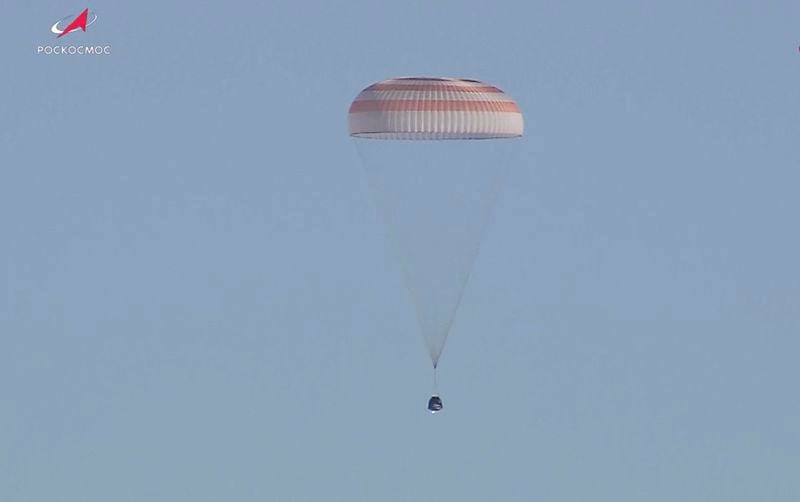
{"points": [[425, 108]]}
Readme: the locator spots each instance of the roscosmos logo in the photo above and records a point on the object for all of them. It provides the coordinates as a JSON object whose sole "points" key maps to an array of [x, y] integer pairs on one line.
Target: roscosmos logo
{"points": [[80, 22], [72, 24]]}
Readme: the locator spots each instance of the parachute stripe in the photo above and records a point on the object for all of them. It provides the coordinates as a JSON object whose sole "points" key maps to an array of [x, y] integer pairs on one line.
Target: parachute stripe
{"points": [[434, 87], [369, 95], [424, 106]]}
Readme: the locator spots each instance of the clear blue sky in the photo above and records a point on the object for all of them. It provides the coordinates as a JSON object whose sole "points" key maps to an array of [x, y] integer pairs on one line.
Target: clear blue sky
{"points": [[198, 303]]}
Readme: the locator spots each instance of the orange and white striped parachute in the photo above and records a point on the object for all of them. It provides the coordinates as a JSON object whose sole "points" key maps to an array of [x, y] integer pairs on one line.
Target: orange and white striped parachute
{"points": [[426, 108], [435, 196]]}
